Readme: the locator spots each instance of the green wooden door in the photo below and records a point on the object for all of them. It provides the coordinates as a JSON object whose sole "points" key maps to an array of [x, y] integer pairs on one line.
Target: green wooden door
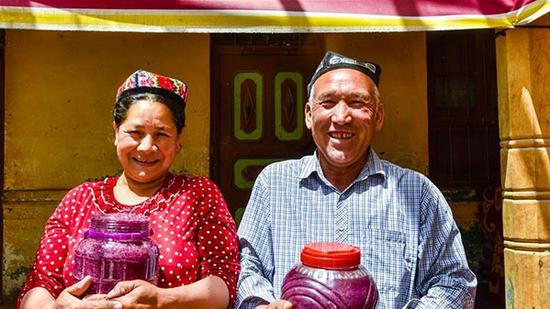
{"points": [[259, 92]]}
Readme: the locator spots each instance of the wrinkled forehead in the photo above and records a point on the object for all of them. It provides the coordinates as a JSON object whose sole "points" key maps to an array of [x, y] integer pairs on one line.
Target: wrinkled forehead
{"points": [[346, 81]]}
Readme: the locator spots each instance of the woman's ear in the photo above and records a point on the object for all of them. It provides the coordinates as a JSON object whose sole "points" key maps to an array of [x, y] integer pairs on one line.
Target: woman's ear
{"points": [[115, 129], [180, 140]]}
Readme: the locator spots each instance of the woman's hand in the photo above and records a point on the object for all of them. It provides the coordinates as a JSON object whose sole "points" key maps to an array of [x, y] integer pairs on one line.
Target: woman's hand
{"points": [[136, 294], [278, 304], [210, 292], [70, 298]]}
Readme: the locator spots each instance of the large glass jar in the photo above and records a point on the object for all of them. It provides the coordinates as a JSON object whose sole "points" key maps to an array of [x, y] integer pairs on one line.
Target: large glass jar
{"points": [[330, 276], [116, 248]]}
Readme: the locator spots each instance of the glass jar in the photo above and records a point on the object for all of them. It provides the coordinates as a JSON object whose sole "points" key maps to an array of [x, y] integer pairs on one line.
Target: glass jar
{"points": [[330, 276], [116, 248]]}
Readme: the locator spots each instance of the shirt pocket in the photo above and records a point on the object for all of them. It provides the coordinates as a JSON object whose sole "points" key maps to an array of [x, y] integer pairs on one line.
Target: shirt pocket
{"points": [[388, 261]]}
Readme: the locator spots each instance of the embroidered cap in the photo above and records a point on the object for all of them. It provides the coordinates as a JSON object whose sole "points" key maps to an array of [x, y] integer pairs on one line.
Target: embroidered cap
{"points": [[143, 81], [332, 61]]}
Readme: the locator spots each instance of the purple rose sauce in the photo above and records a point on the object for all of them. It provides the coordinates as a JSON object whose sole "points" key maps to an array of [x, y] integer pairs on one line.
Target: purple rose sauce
{"points": [[330, 277], [116, 248]]}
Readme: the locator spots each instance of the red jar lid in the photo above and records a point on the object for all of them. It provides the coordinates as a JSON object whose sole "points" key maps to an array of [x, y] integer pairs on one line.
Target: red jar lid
{"points": [[331, 255]]}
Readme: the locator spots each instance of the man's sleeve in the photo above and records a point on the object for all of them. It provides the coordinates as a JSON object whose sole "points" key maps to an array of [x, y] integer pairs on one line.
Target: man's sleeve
{"points": [[443, 275], [255, 283]]}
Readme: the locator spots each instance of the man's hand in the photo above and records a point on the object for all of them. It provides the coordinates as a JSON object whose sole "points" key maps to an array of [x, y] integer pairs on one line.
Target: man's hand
{"points": [[70, 298], [278, 304], [136, 294]]}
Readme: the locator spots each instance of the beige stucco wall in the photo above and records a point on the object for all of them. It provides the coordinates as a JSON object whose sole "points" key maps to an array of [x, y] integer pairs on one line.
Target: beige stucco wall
{"points": [[60, 88], [403, 91]]}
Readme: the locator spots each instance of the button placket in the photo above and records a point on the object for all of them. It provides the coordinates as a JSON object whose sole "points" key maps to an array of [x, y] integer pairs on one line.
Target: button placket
{"points": [[341, 221]]}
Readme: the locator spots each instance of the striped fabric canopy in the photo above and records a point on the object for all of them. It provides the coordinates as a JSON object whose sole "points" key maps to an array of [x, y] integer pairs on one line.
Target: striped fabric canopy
{"points": [[268, 15]]}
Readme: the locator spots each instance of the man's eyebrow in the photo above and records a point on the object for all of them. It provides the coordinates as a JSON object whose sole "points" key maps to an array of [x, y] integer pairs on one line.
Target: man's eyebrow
{"points": [[362, 95], [326, 94], [355, 95]]}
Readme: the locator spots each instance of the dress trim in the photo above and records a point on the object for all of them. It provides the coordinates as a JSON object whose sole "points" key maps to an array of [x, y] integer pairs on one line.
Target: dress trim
{"points": [[103, 197]]}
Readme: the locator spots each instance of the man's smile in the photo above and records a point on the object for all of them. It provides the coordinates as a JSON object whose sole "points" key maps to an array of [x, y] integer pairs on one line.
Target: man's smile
{"points": [[340, 135]]}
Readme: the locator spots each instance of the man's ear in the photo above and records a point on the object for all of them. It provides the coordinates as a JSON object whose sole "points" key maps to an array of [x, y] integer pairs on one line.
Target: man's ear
{"points": [[115, 129], [379, 117], [307, 114]]}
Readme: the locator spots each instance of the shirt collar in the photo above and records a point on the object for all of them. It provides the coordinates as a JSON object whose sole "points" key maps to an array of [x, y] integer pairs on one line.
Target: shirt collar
{"points": [[374, 166]]}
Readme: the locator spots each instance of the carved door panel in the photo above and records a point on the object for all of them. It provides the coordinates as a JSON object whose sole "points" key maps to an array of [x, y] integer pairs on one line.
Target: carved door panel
{"points": [[259, 93]]}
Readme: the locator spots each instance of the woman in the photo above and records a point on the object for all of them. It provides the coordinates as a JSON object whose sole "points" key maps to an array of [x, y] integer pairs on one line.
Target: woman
{"points": [[190, 220]]}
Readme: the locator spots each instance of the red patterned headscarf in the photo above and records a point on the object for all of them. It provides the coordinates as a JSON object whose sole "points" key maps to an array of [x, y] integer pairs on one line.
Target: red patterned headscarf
{"points": [[144, 81]]}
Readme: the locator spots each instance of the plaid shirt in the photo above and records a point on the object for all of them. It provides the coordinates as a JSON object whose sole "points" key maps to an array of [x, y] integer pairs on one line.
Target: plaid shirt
{"points": [[409, 241]]}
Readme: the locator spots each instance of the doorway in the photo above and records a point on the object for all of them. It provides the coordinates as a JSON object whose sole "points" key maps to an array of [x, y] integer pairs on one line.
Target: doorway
{"points": [[258, 98]]}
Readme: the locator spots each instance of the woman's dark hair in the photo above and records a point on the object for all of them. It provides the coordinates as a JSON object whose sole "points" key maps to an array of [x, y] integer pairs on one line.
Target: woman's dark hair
{"points": [[125, 101]]}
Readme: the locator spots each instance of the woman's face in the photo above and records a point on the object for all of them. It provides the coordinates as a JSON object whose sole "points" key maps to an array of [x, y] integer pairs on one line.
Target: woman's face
{"points": [[147, 141]]}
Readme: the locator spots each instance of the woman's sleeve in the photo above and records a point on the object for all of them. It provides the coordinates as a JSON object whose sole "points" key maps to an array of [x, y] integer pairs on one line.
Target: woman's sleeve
{"points": [[47, 269], [217, 239]]}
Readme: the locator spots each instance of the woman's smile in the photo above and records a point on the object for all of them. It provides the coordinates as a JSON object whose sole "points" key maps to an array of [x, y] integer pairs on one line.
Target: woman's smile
{"points": [[145, 162]]}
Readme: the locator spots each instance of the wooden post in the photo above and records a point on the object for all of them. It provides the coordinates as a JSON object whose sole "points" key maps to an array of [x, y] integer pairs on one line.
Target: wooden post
{"points": [[523, 70]]}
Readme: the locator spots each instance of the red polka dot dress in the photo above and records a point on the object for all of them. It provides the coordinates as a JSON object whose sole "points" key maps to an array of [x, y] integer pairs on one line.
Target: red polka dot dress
{"points": [[192, 227]]}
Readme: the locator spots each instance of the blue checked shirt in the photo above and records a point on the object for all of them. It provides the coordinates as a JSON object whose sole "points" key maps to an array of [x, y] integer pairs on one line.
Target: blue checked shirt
{"points": [[409, 241]]}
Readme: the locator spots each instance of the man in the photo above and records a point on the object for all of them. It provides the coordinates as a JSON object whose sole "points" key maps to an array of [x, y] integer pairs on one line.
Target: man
{"points": [[344, 192]]}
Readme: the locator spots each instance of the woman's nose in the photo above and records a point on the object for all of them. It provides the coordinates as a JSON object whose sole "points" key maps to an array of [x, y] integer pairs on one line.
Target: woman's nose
{"points": [[341, 113], [146, 144]]}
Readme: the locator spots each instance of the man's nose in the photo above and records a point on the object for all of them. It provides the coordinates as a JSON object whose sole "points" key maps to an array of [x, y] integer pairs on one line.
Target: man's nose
{"points": [[341, 113]]}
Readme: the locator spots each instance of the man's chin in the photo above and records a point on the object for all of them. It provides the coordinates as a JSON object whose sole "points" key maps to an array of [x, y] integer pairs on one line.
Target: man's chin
{"points": [[342, 161], [339, 163], [338, 158]]}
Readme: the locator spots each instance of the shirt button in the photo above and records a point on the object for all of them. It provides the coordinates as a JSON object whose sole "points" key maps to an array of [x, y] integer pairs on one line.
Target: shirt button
{"points": [[341, 229]]}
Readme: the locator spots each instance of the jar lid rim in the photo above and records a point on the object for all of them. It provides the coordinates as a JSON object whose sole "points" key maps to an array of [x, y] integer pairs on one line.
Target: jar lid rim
{"points": [[331, 255], [119, 223], [120, 236]]}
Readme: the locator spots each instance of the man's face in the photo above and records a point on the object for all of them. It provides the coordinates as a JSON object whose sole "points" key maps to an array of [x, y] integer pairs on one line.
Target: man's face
{"points": [[343, 117]]}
